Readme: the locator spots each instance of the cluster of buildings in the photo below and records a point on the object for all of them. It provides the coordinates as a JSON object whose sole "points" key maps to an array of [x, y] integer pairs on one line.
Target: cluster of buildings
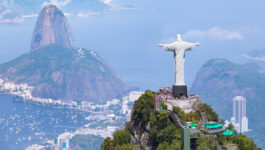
{"points": [[24, 93], [22, 90], [113, 113], [133, 96]]}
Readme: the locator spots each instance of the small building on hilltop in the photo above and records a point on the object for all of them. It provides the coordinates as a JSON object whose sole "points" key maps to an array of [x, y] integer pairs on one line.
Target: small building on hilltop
{"points": [[165, 96]]}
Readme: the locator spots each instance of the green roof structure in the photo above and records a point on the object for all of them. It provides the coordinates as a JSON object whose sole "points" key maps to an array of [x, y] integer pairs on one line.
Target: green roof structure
{"points": [[193, 125], [229, 132], [213, 125]]}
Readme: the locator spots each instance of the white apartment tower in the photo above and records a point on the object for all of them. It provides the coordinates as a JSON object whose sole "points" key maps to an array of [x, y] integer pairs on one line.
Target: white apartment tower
{"points": [[239, 119]]}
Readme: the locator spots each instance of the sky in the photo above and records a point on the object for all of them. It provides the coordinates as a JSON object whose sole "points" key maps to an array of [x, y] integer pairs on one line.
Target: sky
{"points": [[125, 33]]}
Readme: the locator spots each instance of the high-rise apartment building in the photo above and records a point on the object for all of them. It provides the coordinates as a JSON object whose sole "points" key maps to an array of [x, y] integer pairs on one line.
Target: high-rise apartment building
{"points": [[239, 119]]}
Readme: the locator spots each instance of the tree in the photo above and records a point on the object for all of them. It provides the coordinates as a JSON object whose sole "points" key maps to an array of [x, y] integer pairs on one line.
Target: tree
{"points": [[244, 143], [162, 119], [176, 145], [203, 143], [211, 115], [164, 106], [123, 147], [107, 144], [143, 108], [180, 113], [168, 134], [121, 137], [162, 146], [231, 127]]}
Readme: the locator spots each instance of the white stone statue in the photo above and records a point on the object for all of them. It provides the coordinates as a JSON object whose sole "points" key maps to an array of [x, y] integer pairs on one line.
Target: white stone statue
{"points": [[179, 48]]}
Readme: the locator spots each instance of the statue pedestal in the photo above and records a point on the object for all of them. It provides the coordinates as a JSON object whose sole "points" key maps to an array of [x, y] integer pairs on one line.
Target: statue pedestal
{"points": [[179, 91]]}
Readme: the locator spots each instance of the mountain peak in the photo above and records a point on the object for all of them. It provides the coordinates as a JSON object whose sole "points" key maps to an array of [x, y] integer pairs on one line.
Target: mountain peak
{"points": [[52, 27], [51, 9]]}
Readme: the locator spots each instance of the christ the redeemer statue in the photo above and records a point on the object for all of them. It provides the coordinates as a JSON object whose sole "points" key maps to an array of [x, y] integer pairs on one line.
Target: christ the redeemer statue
{"points": [[179, 48]]}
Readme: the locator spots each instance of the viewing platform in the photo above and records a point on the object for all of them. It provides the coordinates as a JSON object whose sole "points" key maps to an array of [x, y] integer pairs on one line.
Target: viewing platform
{"points": [[186, 103]]}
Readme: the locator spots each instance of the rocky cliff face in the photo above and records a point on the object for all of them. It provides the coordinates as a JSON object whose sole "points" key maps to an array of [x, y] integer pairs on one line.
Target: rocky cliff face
{"points": [[140, 135], [51, 27]]}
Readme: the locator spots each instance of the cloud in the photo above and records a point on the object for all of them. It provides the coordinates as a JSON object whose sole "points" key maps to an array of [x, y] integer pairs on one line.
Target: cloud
{"points": [[216, 33], [58, 3], [254, 58], [30, 16], [130, 8], [3, 19], [88, 14], [14, 20], [107, 1], [6, 11], [67, 14]]}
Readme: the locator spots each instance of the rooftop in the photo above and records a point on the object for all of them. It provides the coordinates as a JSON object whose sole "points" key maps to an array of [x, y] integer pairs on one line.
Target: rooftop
{"points": [[229, 132], [213, 125]]}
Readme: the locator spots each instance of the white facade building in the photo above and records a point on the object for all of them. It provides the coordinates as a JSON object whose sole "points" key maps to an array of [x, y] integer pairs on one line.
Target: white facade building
{"points": [[133, 96], [244, 124], [63, 141], [165, 96], [239, 119]]}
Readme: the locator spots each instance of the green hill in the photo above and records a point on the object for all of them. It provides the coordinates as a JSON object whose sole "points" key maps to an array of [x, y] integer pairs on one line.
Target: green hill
{"points": [[148, 129], [219, 80]]}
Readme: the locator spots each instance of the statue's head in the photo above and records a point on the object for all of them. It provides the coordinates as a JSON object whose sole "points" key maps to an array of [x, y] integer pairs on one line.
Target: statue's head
{"points": [[179, 39]]}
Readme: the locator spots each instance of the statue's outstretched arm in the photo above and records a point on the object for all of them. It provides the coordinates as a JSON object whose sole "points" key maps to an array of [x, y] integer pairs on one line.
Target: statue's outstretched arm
{"points": [[192, 46], [166, 46], [197, 44]]}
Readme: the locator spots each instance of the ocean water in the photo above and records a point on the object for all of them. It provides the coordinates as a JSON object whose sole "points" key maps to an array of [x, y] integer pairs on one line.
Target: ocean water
{"points": [[23, 124]]}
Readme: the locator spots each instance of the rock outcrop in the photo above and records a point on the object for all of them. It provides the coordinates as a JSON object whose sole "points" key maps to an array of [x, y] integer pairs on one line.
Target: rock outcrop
{"points": [[59, 71], [140, 135], [52, 27]]}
